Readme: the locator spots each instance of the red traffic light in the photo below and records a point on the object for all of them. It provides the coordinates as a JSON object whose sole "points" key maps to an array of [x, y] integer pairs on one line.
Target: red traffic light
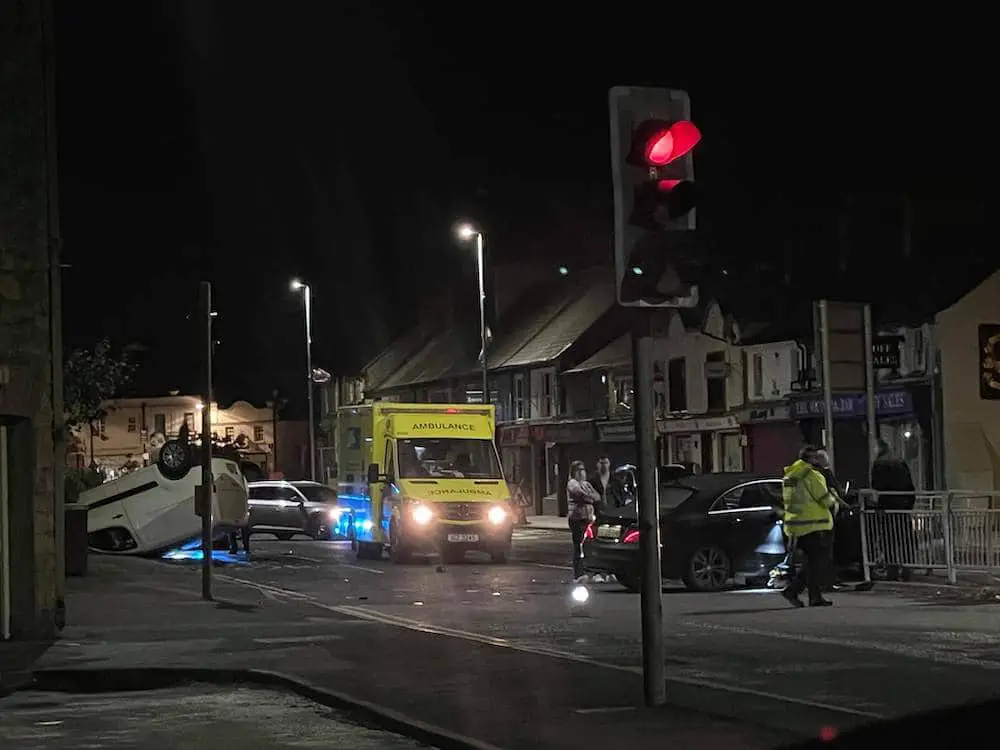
{"points": [[658, 142]]}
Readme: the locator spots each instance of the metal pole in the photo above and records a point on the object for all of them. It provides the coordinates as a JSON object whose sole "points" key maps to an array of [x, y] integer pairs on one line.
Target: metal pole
{"points": [[824, 335], [309, 366], [937, 423], [274, 431], [651, 586], [482, 311], [870, 387], [207, 479]]}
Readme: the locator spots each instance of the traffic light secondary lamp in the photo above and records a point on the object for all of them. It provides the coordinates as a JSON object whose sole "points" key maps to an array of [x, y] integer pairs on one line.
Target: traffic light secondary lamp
{"points": [[652, 139]]}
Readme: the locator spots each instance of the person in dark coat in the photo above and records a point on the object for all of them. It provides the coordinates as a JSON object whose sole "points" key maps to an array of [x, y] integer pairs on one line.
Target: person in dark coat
{"points": [[892, 475], [603, 482]]}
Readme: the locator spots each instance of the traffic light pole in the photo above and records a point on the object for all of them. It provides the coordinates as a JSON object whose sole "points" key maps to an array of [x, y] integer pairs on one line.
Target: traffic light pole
{"points": [[651, 587], [205, 489]]}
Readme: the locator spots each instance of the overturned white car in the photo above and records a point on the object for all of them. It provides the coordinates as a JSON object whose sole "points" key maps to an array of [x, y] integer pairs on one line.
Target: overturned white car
{"points": [[152, 509]]}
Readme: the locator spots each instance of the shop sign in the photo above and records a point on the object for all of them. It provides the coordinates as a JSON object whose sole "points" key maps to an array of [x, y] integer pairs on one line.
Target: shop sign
{"points": [[778, 413], [886, 352], [702, 424], [616, 432], [887, 403]]}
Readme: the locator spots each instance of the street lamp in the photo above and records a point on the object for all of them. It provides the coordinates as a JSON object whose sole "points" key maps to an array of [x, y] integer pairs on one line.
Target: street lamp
{"points": [[466, 232], [298, 286]]}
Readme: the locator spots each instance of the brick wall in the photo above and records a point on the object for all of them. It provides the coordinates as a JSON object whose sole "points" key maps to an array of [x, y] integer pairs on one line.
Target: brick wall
{"points": [[29, 324]]}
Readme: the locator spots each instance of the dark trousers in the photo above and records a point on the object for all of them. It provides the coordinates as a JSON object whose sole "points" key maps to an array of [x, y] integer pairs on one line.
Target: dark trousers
{"points": [[578, 528], [816, 574]]}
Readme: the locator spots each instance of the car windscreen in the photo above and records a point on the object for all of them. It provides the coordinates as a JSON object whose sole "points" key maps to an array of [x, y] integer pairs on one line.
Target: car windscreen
{"points": [[447, 458], [317, 494]]}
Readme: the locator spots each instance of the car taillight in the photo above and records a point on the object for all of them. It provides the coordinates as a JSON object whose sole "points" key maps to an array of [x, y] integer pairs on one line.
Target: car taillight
{"points": [[631, 537], [588, 533]]}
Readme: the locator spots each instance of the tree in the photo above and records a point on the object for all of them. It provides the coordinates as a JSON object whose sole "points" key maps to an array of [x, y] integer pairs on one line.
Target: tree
{"points": [[92, 376]]}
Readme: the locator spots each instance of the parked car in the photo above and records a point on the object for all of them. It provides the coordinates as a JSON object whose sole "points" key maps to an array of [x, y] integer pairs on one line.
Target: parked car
{"points": [[713, 528], [286, 509]]}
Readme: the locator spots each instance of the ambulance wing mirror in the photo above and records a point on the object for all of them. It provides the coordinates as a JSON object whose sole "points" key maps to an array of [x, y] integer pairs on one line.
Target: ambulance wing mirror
{"points": [[373, 474]]}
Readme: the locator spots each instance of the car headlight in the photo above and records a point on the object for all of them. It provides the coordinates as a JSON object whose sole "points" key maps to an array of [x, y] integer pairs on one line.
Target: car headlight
{"points": [[422, 515], [497, 515], [335, 514]]}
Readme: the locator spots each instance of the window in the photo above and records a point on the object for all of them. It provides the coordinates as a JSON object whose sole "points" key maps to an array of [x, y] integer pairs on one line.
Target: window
{"points": [[98, 427], [390, 464], [474, 393], [230, 432], [548, 394], [448, 458], [131, 424], [160, 423], [757, 381], [317, 493], [750, 496], [624, 393], [677, 385], [189, 420], [519, 398], [715, 381], [258, 433]]}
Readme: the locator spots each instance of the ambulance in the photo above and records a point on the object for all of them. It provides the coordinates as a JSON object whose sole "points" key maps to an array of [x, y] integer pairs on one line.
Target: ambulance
{"points": [[423, 478]]}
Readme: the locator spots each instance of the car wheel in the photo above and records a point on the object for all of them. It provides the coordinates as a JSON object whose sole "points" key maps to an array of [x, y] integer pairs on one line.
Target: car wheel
{"points": [[174, 460], [398, 552], [284, 535], [707, 569]]}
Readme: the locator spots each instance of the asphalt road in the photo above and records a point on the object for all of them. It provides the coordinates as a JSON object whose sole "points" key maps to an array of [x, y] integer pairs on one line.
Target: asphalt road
{"points": [[872, 655], [182, 718]]}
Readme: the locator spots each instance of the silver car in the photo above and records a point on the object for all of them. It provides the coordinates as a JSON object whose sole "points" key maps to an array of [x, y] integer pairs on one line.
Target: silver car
{"points": [[286, 509]]}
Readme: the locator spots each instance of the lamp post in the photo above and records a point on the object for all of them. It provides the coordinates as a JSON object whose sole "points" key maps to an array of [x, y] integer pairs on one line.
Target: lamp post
{"points": [[298, 286], [466, 231]]}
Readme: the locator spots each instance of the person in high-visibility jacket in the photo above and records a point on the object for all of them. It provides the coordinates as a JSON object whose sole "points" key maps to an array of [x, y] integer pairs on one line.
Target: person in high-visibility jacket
{"points": [[808, 522]]}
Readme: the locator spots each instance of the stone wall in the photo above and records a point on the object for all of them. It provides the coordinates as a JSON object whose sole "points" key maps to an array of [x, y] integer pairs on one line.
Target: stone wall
{"points": [[30, 337]]}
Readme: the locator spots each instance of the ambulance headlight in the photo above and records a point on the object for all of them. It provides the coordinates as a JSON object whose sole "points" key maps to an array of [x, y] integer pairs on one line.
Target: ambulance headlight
{"points": [[422, 515], [497, 515]]}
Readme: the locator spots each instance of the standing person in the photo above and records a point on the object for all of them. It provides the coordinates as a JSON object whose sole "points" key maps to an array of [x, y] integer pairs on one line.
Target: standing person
{"points": [[582, 499], [808, 524], [602, 483], [892, 475]]}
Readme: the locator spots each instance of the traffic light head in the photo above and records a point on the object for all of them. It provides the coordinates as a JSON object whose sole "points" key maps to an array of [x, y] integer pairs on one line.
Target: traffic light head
{"points": [[652, 138]]}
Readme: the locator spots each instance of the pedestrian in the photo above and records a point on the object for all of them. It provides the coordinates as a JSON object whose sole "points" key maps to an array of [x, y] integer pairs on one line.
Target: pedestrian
{"points": [[603, 484], [808, 523], [582, 499], [892, 476]]}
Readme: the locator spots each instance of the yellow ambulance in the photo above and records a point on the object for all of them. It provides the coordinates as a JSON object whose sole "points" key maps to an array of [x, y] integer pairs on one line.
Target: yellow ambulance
{"points": [[423, 478]]}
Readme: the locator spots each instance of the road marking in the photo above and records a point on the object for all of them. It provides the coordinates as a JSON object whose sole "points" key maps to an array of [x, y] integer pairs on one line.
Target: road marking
{"points": [[371, 615], [608, 710], [894, 649], [545, 565], [361, 567], [299, 639]]}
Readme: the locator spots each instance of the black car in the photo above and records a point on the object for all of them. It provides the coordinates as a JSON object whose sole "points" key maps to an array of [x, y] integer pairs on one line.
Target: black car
{"points": [[713, 528]]}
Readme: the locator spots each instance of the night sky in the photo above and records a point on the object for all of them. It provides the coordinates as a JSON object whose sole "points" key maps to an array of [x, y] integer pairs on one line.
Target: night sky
{"points": [[247, 143]]}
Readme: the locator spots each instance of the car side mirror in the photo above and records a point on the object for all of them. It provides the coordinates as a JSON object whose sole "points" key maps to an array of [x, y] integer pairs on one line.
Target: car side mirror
{"points": [[372, 473]]}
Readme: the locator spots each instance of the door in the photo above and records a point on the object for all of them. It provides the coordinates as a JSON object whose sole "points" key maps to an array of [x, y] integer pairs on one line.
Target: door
{"points": [[383, 513], [274, 506], [744, 522]]}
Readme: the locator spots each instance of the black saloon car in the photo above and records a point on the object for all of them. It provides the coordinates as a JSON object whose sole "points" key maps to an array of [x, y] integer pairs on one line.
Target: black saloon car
{"points": [[713, 528]]}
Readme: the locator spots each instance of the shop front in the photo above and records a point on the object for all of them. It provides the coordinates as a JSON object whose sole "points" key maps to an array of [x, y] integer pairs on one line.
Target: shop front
{"points": [[557, 445], [711, 444], [514, 442], [904, 422], [772, 437], [616, 440]]}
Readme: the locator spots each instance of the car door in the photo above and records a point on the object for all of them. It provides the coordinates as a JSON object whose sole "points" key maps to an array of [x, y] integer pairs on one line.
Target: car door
{"points": [[743, 519], [289, 509]]}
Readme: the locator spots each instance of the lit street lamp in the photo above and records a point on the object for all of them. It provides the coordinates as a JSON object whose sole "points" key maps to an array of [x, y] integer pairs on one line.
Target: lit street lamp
{"points": [[298, 286], [466, 231]]}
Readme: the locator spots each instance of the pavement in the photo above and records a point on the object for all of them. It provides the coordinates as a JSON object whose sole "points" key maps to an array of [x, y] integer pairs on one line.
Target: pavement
{"points": [[549, 523], [182, 718], [499, 655]]}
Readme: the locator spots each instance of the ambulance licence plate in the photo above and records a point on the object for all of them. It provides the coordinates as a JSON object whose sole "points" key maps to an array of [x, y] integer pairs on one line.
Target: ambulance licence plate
{"points": [[463, 537]]}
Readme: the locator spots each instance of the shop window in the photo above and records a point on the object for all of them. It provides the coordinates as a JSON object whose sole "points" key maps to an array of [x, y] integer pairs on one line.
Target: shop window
{"points": [[258, 433]]}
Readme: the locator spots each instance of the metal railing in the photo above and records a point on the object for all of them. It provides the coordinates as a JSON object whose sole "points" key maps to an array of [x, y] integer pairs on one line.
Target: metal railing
{"points": [[951, 532]]}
